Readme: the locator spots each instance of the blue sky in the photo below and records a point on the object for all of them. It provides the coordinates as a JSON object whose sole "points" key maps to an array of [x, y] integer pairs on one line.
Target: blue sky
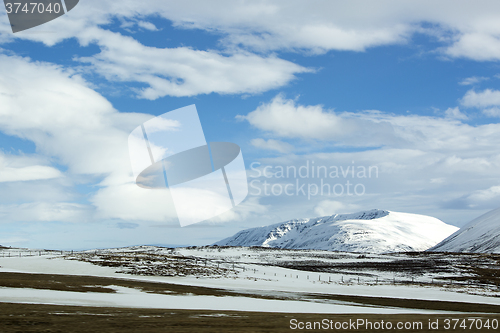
{"points": [[410, 88]]}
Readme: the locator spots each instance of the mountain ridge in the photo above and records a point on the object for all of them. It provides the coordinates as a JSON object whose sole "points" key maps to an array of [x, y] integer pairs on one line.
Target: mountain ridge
{"points": [[374, 231]]}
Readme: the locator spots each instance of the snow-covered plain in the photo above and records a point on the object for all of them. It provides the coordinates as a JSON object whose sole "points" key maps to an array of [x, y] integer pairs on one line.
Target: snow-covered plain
{"points": [[374, 231], [248, 272]]}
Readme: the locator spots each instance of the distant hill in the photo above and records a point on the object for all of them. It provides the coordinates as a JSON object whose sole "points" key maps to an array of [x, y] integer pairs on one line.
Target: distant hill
{"points": [[481, 235], [374, 231]]}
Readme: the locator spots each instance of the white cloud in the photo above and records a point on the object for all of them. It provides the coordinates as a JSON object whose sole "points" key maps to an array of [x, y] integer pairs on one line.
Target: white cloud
{"points": [[184, 71], [33, 172], [272, 144], [481, 99], [492, 112], [57, 111], [486, 195], [25, 168], [331, 207], [482, 198], [487, 100], [129, 202], [472, 80], [285, 118], [75, 126], [147, 25], [476, 45], [46, 212], [454, 113], [259, 26]]}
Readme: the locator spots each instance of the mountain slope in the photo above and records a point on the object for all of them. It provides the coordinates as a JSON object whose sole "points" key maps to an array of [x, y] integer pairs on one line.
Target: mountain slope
{"points": [[373, 231], [481, 235]]}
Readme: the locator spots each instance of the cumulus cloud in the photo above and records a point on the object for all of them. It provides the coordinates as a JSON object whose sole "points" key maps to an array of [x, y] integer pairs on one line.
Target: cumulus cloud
{"points": [[481, 99], [487, 100], [455, 113], [288, 119], [477, 46]]}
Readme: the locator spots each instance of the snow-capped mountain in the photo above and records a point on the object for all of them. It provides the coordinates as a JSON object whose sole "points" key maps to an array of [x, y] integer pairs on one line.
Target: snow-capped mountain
{"points": [[375, 231], [481, 235]]}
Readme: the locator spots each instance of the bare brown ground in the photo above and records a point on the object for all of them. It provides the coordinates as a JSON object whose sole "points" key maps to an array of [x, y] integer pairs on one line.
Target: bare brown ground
{"points": [[32, 318]]}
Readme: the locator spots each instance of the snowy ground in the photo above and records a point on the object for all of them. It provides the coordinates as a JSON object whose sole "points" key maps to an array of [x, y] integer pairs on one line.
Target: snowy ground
{"points": [[247, 270]]}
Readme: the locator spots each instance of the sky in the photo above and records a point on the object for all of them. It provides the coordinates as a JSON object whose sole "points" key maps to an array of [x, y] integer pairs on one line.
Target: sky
{"points": [[390, 105]]}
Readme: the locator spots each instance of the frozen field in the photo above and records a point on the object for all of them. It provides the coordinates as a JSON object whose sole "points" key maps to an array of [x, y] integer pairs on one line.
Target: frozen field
{"points": [[256, 279]]}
